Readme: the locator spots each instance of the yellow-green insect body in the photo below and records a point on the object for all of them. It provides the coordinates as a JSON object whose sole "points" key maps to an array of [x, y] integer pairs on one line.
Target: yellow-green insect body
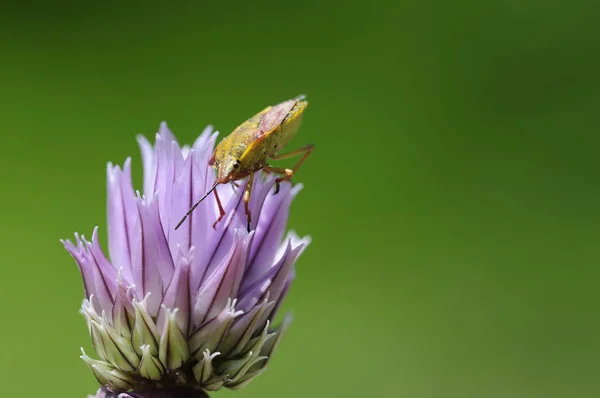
{"points": [[247, 149], [261, 137]]}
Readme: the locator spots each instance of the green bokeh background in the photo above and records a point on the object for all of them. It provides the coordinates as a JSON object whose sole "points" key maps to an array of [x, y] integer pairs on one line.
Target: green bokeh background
{"points": [[452, 197]]}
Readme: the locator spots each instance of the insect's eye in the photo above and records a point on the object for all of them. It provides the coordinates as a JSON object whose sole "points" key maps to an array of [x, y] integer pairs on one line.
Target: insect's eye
{"points": [[236, 165]]}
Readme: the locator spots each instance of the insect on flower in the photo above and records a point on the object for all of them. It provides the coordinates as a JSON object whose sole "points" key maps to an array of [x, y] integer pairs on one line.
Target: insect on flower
{"points": [[246, 150]]}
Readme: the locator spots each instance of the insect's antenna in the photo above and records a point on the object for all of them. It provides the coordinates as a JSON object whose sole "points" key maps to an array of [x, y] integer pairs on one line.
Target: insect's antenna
{"points": [[195, 205]]}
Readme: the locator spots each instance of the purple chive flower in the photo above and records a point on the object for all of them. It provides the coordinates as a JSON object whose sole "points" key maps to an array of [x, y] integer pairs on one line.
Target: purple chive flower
{"points": [[180, 312]]}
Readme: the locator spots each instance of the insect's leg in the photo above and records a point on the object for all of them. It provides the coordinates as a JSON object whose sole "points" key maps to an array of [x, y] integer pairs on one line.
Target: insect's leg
{"points": [[247, 193], [307, 150], [289, 173], [234, 185], [221, 210]]}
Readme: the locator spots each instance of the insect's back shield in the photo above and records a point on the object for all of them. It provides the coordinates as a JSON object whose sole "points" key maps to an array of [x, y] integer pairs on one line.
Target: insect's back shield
{"points": [[291, 123], [271, 120], [277, 127]]}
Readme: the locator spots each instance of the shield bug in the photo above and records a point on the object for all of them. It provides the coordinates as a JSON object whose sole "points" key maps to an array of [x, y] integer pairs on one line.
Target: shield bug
{"points": [[246, 150]]}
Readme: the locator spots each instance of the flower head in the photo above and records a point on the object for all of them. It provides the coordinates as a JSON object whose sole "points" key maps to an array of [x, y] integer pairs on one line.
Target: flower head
{"points": [[190, 308]]}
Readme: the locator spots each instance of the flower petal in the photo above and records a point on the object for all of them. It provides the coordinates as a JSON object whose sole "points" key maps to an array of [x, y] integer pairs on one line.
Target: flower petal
{"points": [[122, 215], [85, 268], [204, 368], [150, 366], [188, 187], [169, 160], [209, 335], [269, 233], [145, 331], [219, 242], [118, 348], [243, 329], [152, 264], [223, 283], [173, 349], [177, 296], [99, 277], [165, 132], [149, 162], [252, 294], [103, 266]]}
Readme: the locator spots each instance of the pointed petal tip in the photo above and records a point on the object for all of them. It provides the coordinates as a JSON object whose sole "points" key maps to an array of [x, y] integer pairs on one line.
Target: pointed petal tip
{"points": [[141, 139], [73, 248], [68, 241], [173, 349], [95, 235], [297, 188], [297, 241], [112, 168]]}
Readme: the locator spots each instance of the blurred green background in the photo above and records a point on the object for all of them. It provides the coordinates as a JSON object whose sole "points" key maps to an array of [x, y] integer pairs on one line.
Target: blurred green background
{"points": [[453, 196]]}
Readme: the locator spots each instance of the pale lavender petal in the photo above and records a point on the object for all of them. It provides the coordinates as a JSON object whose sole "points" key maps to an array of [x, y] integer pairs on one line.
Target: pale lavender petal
{"points": [[219, 243], [165, 176], [125, 295], [95, 283], [165, 132], [296, 241], [149, 162], [260, 191], [223, 283], [104, 267], [156, 248], [103, 300], [279, 280], [86, 271], [235, 217], [210, 333], [282, 295], [152, 262], [203, 179], [183, 193], [203, 139], [122, 216], [274, 279], [178, 295], [199, 226], [187, 189], [270, 231], [250, 295]]}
